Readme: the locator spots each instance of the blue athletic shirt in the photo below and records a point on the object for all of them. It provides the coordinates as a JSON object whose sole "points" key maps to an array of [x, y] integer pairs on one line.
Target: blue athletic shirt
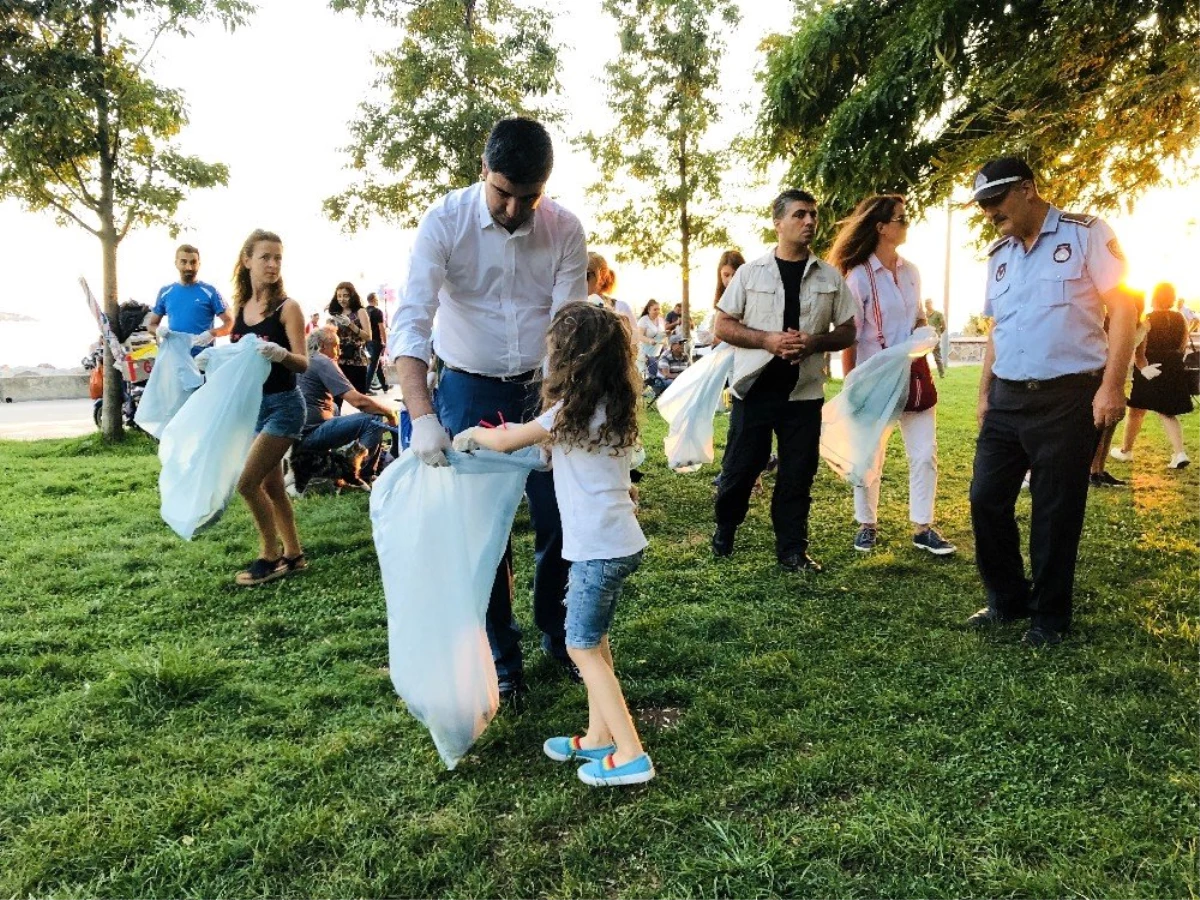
{"points": [[189, 308]]}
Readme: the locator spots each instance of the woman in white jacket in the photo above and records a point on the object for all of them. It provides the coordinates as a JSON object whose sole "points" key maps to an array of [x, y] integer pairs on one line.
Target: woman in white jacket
{"points": [[887, 289]]}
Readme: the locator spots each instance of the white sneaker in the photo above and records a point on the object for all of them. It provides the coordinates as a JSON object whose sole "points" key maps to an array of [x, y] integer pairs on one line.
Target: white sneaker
{"points": [[1178, 461], [1118, 453]]}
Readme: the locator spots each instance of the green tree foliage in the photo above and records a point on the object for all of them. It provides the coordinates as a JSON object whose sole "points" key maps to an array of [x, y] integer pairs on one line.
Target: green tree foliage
{"points": [[84, 131], [462, 65], [912, 95], [659, 184]]}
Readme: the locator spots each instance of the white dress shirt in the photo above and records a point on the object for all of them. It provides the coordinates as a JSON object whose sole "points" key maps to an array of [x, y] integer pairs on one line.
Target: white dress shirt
{"points": [[493, 292], [899, 304]]}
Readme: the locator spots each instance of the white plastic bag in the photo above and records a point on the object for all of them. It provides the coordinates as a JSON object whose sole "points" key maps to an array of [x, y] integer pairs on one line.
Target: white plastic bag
{"points": [[440, 534], [872, 398], [204, 447], [172, 381], [688, 406]]}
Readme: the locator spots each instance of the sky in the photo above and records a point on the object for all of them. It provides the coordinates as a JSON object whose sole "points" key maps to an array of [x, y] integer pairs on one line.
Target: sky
{"points": [[273, 100]]}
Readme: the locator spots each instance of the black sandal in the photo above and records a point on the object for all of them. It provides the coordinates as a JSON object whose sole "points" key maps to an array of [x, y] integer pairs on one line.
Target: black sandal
{"points": [[297, 563], [262, 571]]}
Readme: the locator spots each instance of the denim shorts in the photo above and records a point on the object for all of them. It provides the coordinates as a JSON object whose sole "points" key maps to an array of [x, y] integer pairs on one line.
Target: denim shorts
{"points": [[593, 588], [282, 415]]}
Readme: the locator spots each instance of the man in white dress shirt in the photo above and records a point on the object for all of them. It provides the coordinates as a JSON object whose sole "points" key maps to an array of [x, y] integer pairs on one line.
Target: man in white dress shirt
{"points": [[494, 261]]}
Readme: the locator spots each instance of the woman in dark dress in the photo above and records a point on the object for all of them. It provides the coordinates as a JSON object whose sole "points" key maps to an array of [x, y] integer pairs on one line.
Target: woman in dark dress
{"points": [[347, 314], [1159, 382], [262, 307]]}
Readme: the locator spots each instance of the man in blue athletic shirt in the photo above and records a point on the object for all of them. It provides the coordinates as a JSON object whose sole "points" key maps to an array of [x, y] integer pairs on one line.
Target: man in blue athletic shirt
{"points": [[190, 305]]}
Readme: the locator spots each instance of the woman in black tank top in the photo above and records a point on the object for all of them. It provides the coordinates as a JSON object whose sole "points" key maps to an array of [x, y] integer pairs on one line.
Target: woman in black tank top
{"points": [[263, 309]]}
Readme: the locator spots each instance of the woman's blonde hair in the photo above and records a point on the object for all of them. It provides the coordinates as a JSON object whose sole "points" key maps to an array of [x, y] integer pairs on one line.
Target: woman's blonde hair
{"points": [[592, 364], [242, 289], [857, 235]]}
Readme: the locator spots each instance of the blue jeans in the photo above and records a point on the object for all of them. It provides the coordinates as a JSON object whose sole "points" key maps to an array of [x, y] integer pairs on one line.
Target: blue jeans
{"points": [[592, 595], [374, 349], [463, 401], [341, 430]]}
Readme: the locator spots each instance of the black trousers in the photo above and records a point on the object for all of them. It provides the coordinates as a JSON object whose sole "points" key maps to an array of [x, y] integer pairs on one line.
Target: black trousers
{"points": [[797, 427], [1050, 433]]}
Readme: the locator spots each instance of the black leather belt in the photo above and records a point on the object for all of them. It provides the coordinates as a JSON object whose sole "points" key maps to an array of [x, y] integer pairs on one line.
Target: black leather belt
{"points": [[519, 378], [1079, 379]]}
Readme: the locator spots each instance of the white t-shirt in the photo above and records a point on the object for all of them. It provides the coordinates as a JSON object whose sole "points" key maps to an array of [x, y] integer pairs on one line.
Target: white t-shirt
{"points": [[598, 519]]}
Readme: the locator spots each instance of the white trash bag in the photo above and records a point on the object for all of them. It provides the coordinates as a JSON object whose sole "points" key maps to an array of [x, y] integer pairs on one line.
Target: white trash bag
{"points": [[871, 400], [440, 534], [204, 447], [688, 406], [172, 380]]}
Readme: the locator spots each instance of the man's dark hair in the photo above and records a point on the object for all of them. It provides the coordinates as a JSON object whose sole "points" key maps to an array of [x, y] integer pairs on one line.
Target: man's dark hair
{"points": [[520, 150], [186, 248], [791, 195]]}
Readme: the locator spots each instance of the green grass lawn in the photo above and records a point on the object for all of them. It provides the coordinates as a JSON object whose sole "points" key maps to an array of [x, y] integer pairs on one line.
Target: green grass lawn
{"points": [[163, 733]]}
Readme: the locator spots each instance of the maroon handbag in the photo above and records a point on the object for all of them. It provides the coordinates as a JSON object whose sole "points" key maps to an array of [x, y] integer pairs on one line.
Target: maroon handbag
{"points": [[922, 393]]}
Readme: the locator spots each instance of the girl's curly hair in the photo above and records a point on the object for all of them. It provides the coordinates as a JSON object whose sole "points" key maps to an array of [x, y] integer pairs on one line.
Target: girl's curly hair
{"points": [[592, 363]]}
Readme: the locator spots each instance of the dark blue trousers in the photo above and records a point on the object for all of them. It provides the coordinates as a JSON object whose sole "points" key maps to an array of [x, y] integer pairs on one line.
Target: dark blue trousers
{"points": [[466, 400]]}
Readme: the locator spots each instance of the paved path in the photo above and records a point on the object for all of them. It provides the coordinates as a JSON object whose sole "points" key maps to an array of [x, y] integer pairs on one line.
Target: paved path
{"points": [[32, 419]]}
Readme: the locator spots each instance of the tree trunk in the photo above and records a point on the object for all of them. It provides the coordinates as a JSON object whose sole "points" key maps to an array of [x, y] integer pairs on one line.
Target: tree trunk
{"points": [[112, 419], [111, 424], [684, 240]]}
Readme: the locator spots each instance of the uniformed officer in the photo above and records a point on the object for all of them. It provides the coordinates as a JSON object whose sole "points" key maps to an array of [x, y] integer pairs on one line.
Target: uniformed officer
{"points": [[1051, 379]]}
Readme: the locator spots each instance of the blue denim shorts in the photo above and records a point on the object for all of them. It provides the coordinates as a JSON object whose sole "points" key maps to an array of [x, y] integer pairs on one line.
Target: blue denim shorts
{"points": [[593, 589], [282, 415]]}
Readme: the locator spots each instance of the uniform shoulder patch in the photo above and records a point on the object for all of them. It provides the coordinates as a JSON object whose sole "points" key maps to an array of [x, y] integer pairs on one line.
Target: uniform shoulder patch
{"points": [[1087, 220], [996, 245]]}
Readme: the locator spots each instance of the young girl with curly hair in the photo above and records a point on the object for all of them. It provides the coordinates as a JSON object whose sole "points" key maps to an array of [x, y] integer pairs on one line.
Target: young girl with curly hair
{"points": [[590, 397]]}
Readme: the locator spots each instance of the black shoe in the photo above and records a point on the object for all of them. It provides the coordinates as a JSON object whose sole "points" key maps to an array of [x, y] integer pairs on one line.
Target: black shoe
{"points": [[571, 670], [799, 562], [1105, 480], [989, 616], [512, 688], [1041, 636], [722, 541]]}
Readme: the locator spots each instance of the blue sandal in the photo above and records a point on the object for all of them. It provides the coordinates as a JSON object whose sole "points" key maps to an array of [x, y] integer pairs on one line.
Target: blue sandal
{"points": [[604, 773], [565, 749]]}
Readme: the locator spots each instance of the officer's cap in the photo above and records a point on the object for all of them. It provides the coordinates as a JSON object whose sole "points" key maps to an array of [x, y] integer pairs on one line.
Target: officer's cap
{"points": [[998, 176]]}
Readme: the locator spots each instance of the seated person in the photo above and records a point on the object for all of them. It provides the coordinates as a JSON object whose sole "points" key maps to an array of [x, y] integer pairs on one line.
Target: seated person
{"points": [[324, 386], [674, 359], [668, 366]]}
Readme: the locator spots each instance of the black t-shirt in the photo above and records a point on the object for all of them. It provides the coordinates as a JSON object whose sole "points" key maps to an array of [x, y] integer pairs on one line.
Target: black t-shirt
{"points": [[375, 314], [779, 376]]}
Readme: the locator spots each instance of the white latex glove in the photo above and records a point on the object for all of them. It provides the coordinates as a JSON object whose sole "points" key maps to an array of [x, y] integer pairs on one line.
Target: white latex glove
{"points": [[429, 440], [272, 351], [464, 441], [162, 331], [203, 339], [1151, 371], [201, 359]]}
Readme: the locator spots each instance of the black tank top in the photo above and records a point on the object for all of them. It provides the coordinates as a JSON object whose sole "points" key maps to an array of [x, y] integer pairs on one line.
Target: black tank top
{"points": [[269, 329]]}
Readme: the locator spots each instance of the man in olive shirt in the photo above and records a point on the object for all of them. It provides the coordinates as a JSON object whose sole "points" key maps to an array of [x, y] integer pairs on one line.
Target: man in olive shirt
{"points": [[782, 312]]}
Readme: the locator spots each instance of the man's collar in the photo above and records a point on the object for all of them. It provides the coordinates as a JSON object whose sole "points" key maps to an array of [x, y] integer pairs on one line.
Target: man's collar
{"points": [[1050, 224], [485, 216]]}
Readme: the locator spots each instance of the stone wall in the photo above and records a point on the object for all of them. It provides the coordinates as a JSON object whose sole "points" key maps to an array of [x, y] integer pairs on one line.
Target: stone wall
{"points": [[54, 386]]}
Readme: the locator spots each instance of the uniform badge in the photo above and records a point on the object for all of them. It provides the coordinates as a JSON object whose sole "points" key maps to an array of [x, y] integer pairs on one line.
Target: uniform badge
{"points": [[1115, 249], [1000, 270], [1062, 253]]}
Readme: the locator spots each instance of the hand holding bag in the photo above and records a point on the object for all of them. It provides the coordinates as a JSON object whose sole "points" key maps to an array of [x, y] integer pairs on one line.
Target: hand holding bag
{"points": [[922, 393]]}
